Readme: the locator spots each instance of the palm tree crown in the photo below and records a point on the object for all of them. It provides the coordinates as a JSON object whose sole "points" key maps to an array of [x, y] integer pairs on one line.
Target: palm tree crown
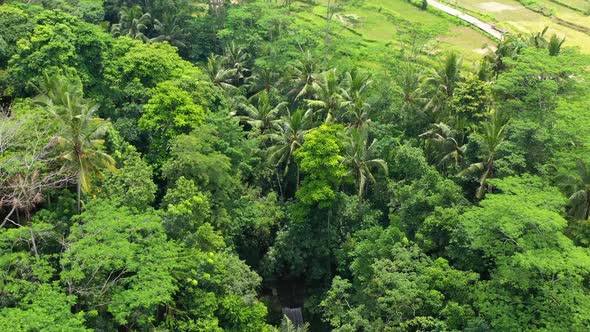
{"points": [[132, 23], [304, 75], [445, 144], [264, 115], [81, 131], [355, 97], [327, 96], [360, 159], [443, 81], [494, 131], [579, 201]]}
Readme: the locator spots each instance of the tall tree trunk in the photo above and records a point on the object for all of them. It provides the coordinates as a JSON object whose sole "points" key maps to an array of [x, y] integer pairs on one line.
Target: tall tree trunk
{"points": [[327, 36], [33, 243], [79, 190], [298, 179], [279, 183], [329, 265]]}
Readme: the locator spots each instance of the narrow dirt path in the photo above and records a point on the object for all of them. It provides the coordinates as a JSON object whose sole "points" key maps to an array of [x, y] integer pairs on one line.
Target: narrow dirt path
{"points": [[484, 26]]}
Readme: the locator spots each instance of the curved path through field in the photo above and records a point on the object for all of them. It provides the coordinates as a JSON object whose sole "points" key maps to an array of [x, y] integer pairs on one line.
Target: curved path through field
{"points": [[484, 26]]}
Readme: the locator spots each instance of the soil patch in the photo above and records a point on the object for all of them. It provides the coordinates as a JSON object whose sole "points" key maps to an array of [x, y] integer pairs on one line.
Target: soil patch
{"points": [[496, 7]]}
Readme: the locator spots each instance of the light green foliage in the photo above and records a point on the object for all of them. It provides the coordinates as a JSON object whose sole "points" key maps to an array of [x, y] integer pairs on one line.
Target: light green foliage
{"points": [[367, 225], [243, 318], [133, 185], [169, 112], [16, 25], [196, 156], [471, 99], [288, 326], [113, 256], [186, 209], [46, 308], [132, 76], [58, 43], [320, 159], [420, 191], [518, 234], [153, 89], [148, 64], [31, 300], [534, 79], [217, 291]]}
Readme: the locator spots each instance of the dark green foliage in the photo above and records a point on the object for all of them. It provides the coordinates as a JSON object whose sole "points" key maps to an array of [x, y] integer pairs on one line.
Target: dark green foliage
{"points": [[422, 190], [395, 286]]}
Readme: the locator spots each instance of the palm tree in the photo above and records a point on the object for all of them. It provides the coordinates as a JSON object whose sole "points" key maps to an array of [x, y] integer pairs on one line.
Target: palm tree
{"points": [[579, 201], [286, 137], [264, 79], [327, 95], [169, 30], [410, 88], [264, 115], [132, 23], [237, 60], [555, 44], [445, 144], [507, 48], [538, 39], [494, 130], [443, 82], [217, 72], [81, 134], [359, 158], [303, 77], [355, 97], [288, 326]]}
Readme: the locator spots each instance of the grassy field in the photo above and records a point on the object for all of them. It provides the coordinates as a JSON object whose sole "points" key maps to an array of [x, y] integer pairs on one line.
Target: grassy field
{"points": [[376, 26], [397, 25], [513, 16]]}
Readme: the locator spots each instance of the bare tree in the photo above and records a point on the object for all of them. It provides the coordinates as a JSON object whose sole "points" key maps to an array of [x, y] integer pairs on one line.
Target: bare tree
{"points": [[28, 169]]}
